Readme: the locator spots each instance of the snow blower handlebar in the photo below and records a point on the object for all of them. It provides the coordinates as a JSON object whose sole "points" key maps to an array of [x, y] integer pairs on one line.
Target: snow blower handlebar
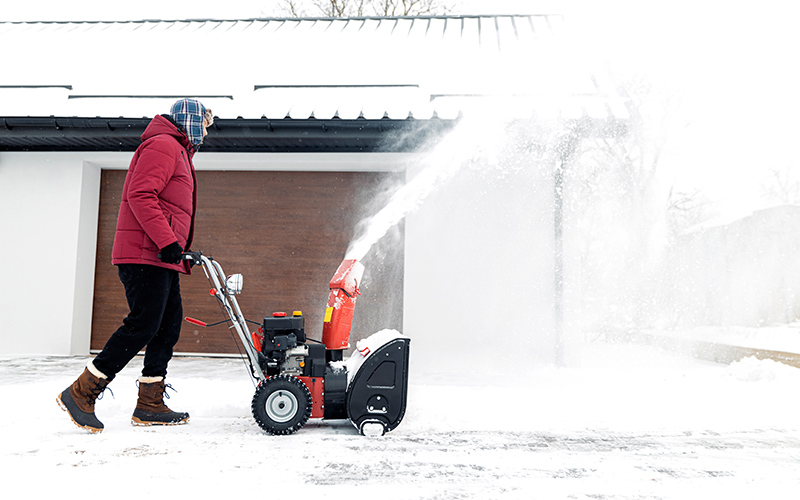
{"points": [[224, 290]]}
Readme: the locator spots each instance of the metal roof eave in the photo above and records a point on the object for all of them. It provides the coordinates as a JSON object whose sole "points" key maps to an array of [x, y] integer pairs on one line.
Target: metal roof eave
{"points": [[261, 135], [226, 135]]}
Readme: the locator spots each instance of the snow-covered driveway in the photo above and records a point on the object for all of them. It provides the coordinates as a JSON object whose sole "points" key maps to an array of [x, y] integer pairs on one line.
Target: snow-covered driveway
{"points": [[627, 423]]}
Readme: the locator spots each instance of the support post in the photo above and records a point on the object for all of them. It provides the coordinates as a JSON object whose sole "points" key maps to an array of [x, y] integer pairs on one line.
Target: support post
{"points": [[565, 149]]}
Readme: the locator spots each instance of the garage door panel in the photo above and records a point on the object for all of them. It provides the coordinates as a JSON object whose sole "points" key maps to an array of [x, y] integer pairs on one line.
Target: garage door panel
{"points": [[286, 232]]}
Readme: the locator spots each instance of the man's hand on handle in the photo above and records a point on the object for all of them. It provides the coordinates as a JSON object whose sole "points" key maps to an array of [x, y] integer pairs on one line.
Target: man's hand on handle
{"points": [[171, 254]]}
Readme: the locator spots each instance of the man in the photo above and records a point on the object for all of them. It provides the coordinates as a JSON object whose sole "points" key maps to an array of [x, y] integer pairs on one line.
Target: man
{"points": [[155, 225]]}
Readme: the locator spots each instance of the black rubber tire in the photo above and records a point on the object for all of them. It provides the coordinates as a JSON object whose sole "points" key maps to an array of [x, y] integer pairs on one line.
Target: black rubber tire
{"points": [[281, 404]]}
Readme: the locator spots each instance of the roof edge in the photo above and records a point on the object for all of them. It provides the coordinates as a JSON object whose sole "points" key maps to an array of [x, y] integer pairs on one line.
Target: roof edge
{"points": [[284, 19], [286, 135]]}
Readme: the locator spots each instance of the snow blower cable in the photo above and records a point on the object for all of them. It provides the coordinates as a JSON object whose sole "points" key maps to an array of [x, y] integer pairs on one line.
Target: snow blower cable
{"points": [[228, 312]]}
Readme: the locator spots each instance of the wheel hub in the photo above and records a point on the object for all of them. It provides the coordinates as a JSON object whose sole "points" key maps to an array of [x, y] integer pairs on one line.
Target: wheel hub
{"points": [[281, 406]]}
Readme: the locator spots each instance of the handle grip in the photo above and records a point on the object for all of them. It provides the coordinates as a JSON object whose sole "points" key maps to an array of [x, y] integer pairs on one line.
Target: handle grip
{"points": [[196, 321]]}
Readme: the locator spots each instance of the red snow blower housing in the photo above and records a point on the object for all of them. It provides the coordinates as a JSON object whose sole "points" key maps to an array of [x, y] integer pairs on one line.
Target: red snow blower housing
{"points": [[299, 378]]}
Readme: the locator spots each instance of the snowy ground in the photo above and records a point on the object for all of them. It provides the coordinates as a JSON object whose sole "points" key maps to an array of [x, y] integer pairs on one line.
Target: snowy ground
{"points": [[773, 337], [628, 423]]}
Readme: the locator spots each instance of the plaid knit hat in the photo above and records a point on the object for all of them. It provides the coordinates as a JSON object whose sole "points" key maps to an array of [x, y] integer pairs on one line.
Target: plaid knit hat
{"points": [[190, 113]]}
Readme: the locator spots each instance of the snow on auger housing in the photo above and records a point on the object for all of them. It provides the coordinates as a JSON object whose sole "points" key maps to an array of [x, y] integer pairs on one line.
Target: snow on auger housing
{"points": [[298, 378]]}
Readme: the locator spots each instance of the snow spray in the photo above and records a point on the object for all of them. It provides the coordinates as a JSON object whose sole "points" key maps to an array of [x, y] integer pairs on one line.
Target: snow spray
{"points": [[466, 144], [478, 201]]}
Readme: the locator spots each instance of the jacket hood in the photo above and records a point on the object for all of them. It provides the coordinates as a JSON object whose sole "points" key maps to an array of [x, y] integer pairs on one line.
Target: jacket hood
{"points": [[162, 124], [189, 114]]}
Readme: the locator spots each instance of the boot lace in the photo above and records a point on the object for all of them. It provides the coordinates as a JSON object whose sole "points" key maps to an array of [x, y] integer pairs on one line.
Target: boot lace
{"points": [[168, 386], [164, 394], [97, 391]]}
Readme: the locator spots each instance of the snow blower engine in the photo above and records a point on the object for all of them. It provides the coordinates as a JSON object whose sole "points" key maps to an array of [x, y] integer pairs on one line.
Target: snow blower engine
{"points": [[298, 378]]}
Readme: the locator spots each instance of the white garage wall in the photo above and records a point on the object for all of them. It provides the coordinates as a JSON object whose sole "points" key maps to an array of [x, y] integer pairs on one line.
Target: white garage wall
{"points": [[49, 228]]}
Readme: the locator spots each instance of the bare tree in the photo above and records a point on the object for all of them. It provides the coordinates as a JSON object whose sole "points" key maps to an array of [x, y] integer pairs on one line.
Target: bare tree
{"points": [[409, 7], [358, 8], [617, 217], [684, 210], [782, 186]]}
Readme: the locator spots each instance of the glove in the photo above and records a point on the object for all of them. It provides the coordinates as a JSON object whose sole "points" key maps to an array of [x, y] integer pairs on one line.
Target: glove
{"points": [[192, 262], [171, 254]]}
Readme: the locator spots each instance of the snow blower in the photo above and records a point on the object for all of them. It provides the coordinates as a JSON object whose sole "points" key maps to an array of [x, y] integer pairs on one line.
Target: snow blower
{"points": [[298, 378]]}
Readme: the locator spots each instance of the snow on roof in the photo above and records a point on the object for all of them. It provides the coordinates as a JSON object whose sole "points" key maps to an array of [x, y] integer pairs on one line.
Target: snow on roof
{"points": [[300, 68]]}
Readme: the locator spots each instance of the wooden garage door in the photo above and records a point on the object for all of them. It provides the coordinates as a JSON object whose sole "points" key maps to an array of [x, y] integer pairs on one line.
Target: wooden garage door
{"points": [[286, 232]]}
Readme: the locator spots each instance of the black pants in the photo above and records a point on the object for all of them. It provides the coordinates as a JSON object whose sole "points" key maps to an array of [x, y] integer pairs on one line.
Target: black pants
{"points": [[154, 298]]}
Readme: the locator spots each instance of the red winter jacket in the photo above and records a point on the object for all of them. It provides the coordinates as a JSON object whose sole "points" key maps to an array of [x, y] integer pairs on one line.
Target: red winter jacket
{"points": [[158, 199]]}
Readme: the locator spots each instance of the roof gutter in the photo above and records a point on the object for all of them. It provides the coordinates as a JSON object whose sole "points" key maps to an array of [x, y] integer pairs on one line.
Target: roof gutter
{"points": [[226, 135]]}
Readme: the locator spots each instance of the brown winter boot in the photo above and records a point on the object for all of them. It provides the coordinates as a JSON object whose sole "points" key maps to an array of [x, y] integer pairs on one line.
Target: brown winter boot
{"points": [[78, 399], [150, 409]]}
